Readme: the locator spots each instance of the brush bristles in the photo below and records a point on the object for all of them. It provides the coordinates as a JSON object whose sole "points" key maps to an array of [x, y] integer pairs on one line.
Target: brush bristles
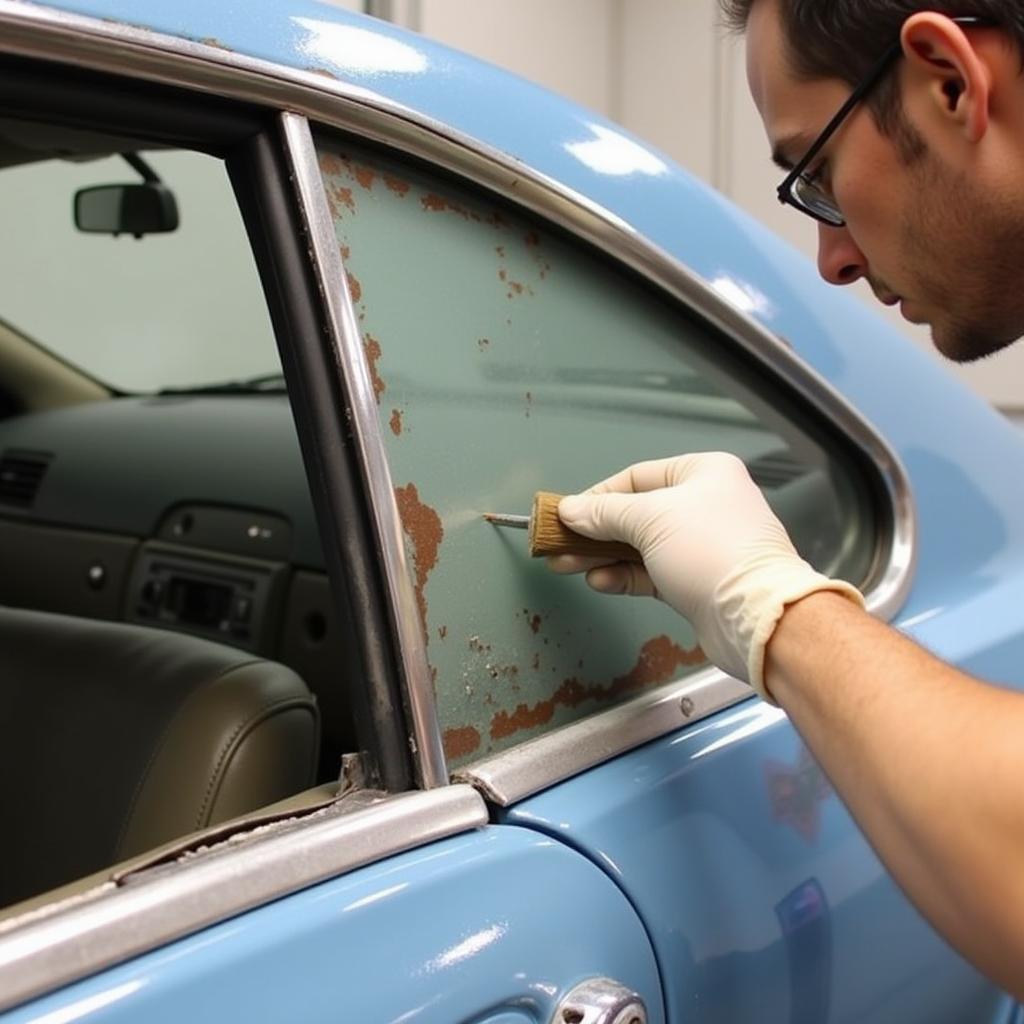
{"points": [[550, 536]]}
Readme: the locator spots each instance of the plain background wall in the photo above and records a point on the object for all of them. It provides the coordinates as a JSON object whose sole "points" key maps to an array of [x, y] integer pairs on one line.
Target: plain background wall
{"points": [[664, 70]]}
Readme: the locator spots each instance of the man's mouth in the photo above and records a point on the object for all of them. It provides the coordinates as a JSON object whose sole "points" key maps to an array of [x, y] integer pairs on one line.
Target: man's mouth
{"points": [[906, 311]]}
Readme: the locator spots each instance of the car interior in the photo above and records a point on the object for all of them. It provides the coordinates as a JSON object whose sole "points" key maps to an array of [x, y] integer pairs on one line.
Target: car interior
{"points": [[174, 655]]}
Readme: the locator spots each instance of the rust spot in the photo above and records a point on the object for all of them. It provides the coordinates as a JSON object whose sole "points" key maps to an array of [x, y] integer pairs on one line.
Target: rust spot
{"points": [[536, 661], [659, 660], [354, 287], [325, 73], [212, 41], [503, 274], [657, 663], [346, 252], [396, 422], [442, 631], [434, 203], [329, 163], [532, 238], [438, 204], [476, 645], [423, 527], [365, 176], [483, 343], [460, 742], [500, 250], [504, 724], [344, 196], [373, 353], [516, 287], [535, 623], [529, 403], [396, 185]]}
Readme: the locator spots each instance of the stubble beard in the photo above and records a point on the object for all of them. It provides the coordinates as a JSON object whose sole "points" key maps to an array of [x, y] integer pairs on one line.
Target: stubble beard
{"points": [[965, 259]]}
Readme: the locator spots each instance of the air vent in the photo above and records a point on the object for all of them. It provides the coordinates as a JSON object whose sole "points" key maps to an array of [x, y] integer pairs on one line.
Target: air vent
{"points": [[21, 473], [775, 469]]}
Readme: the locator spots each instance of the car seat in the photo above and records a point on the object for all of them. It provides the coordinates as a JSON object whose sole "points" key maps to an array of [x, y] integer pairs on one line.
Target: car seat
{"points": [[115, 738]]}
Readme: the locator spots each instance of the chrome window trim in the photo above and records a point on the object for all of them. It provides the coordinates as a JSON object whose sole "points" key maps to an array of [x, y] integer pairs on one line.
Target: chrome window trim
{"points": [[521, 771], [346, 340], [158, 906], [124, 49]]}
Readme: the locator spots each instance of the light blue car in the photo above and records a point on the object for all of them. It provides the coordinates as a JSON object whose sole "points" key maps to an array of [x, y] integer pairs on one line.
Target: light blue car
{"points": [[289, 299]]}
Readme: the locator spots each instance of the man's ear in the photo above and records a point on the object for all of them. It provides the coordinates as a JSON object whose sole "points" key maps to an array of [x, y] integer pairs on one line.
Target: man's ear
{"points": [[957, 80]]}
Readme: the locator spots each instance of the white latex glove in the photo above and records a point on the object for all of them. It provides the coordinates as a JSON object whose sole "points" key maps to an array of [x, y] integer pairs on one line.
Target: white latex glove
{"points": [[712, 549]]}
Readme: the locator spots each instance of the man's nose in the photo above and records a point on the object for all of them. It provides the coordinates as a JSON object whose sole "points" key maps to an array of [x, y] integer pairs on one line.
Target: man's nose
{"points": [[839, 259]]}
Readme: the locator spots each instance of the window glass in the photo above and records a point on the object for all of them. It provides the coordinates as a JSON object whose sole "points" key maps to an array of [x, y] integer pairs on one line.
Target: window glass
{"points": [[508, 359], [179, 308], [168, 638]]}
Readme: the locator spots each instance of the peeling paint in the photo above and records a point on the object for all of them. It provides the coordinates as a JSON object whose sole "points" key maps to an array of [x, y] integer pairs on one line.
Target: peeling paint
{"points": [[373, 354], [460, 742], [396, 422], [396, 185], [216, 44], [658, 662], [442, 631], [423, 527], [345, 197], [329, 164], [483, 344], [364, 175]]}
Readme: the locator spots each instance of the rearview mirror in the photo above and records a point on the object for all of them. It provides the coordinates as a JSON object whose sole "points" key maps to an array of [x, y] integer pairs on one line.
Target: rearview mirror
{"points": [[136, 210]]}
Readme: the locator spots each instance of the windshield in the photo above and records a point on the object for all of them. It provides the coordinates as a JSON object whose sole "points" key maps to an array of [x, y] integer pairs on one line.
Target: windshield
{"points": [[169, 310]]}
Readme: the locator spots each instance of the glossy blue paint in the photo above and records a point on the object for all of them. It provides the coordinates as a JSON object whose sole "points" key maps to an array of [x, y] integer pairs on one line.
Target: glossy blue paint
{"points": [[493, 926], [761, 898]]}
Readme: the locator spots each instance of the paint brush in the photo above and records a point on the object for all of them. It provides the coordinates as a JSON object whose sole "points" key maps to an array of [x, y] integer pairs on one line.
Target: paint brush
{"points": [[548, 535]]}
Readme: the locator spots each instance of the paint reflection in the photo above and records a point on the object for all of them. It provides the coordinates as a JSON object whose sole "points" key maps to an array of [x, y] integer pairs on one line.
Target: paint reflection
{"points": [[610, 152], [357, 50]]}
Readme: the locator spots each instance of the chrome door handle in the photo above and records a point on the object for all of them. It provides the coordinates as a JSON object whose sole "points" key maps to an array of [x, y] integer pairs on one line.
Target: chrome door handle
{"points": [[600, 1001]]}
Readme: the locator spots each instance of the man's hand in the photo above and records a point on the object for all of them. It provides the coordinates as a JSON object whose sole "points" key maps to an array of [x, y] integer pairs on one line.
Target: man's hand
{"points": [[712, 549]]}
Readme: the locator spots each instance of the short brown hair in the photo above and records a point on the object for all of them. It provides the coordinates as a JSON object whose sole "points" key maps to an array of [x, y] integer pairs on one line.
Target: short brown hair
{"points": [[843, 38]]}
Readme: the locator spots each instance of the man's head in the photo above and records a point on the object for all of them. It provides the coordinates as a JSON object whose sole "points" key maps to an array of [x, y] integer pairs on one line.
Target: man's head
{"points": [[927, 171]]}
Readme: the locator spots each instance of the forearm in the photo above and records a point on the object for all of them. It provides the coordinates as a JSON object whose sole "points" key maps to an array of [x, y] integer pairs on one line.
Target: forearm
{"points": [[929, 762]]}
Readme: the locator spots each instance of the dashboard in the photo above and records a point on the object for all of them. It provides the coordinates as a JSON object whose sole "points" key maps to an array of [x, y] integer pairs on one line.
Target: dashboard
{"points": [[184, 512]]}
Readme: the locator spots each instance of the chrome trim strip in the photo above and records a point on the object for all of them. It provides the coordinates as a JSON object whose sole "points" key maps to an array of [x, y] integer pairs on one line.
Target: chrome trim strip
{"points": [[520, 772], [164, 904], [347, 342], [116, 48]]}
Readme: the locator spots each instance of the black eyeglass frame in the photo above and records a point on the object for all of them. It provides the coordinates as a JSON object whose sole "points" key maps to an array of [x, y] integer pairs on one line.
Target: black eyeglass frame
{"points": [[874, 76]]}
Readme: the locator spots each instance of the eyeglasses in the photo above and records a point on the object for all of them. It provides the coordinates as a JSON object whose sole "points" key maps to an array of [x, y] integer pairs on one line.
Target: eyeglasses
{"points": [[804, 191]]}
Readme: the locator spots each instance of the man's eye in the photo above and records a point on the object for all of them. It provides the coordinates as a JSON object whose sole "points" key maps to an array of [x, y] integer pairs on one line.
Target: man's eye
{"points": [[817, 176]]}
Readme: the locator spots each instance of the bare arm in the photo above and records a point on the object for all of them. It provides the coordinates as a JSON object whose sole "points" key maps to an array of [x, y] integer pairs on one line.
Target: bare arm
{"points": [[929, 761]]}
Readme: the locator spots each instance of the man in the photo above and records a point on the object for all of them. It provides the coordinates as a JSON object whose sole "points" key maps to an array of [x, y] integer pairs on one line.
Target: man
{"points": [[919, 188]]}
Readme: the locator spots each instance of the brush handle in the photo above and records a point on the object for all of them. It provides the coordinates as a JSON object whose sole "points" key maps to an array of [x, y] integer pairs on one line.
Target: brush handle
{"points": [[550, 536]]}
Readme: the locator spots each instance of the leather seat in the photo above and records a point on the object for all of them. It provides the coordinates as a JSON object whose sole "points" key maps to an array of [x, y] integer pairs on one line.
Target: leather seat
{"points": [[116, 738]]}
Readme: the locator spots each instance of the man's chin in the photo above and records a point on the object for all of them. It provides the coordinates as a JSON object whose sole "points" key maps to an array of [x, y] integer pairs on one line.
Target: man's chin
{"points": [[967, 345]]}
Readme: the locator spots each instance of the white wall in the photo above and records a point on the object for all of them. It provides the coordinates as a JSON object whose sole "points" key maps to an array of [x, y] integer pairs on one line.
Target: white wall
{"points": [[664, 70]]}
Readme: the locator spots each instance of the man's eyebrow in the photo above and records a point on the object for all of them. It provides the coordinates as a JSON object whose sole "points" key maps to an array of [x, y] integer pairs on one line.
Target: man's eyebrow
{"points": [[782, 149]]}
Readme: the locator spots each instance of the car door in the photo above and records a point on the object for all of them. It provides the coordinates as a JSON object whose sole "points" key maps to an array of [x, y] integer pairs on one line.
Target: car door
{"points": [[507, 357]]}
